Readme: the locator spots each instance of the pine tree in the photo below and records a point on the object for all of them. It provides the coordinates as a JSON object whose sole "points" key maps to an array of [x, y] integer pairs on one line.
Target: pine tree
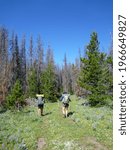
{"points": [[58, 73], [48, 86], [74, 76], [48, 78], [105, 84], [16, 67], [65, 75], [16, 95], [32, 83], [104, 81], [4, 66], [40, 54], [31, 52], [70, 79], [95, 75], [23, 63], [91, 70]]}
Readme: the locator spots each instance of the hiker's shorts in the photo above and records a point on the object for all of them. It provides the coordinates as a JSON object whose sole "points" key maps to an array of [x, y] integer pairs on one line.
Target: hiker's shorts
{"points": [[40, 106], [66, 105]]}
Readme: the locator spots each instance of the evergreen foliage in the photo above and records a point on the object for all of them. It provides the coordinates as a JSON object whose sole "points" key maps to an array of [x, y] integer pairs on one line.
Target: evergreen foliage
{"points": [[32, 83], [23, 63], [17, 62], [16, 95], [48, 83], [105, 81], [95, 73], [34, 71]]}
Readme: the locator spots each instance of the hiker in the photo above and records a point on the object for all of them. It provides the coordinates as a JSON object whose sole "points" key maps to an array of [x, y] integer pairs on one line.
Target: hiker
{"points": [[65, 103], [41, 101]]}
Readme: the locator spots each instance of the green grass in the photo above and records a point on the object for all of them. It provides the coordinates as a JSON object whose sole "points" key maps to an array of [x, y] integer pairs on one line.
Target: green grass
{"points": [[88, 128]]}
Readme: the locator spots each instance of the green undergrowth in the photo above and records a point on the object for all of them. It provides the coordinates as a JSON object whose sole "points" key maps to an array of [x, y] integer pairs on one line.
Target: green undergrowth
{"points": [[86, 128]]}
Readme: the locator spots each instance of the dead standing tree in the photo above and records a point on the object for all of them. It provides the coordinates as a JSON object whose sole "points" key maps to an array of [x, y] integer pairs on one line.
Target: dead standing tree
{"points": [[3, 63]]}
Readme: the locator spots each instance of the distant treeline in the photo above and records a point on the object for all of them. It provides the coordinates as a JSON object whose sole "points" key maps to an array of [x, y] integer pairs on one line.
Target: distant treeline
{"points": [[27, 71]]}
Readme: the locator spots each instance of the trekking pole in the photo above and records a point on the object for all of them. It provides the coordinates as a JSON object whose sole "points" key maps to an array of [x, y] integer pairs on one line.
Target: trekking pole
{"points": [[70, 106]]}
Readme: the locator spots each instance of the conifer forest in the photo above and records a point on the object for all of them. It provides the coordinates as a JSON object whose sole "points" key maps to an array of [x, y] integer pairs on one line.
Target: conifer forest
{"points": [[26, 71]]}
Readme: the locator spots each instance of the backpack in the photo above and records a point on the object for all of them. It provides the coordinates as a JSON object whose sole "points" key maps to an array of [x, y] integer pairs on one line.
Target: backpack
{"points": [[40, 100], [66, 98]]}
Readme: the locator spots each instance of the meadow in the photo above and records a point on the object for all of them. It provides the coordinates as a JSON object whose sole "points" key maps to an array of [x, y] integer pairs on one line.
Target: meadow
{"points": [[86, 128]]}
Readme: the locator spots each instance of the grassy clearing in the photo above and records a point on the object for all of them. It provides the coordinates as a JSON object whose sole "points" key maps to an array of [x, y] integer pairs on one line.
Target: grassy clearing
{"points": [[86, 128]]}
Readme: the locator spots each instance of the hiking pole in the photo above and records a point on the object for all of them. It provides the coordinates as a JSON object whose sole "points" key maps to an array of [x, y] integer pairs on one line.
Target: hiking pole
{"points": [[70, 108]]}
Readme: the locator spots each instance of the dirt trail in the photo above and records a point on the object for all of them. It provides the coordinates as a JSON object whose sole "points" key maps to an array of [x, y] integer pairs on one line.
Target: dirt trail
{"points": [[41, 144], [56, 122]]}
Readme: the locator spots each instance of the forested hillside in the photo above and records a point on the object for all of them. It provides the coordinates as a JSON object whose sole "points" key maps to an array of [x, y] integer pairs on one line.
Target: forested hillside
{"points": [[25, 71]]}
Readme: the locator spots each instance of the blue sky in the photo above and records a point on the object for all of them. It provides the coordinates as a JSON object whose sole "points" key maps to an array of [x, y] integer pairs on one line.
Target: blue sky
{"points": [[66, 25]]}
